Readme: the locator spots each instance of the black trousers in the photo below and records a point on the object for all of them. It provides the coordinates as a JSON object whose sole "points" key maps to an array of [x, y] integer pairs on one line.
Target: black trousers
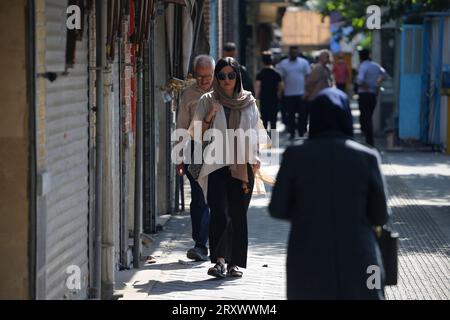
{"points": [[342, 87], [296, 106], [228, 204], [199, 213], [283, 109], [269, 112], [367, 104]]}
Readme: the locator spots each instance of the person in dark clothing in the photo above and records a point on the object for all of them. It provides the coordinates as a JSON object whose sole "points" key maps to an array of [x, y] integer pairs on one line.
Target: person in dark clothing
{"points": [[283, 107], [355, 84], [229, 50], [331, 189], [268, 89]]}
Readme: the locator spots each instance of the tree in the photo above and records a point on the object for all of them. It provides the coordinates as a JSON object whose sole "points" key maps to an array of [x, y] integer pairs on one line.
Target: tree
{"points": [[354, 12]]}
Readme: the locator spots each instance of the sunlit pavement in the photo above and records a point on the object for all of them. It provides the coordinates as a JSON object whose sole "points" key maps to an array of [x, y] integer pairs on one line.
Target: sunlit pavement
{"points": [[419, 198], [173, 276]]}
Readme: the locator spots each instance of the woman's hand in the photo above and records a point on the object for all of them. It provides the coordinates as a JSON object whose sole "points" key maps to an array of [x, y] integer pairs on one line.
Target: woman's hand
{"points": [[256, 166], [180, 170], [215, 108]]}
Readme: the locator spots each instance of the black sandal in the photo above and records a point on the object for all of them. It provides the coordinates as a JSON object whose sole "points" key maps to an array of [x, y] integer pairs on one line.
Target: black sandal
{"points": [[234, 272], [217, 271]]}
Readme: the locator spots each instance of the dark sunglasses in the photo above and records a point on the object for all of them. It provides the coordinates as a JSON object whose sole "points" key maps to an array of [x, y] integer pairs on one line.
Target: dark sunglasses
{"points": [[222, 76]]}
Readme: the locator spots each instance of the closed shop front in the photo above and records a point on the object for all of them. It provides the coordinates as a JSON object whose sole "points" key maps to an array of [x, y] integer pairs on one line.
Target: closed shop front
{"points": [[62, 122]]}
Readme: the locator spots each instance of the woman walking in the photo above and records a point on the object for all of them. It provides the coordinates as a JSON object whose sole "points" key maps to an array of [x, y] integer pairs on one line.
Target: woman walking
{"points": [[332, 191], [228, 185]]}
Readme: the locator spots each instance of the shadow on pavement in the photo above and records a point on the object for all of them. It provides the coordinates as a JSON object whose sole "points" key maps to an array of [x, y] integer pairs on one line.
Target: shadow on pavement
{"points": [[160, 288], [173, 266]]}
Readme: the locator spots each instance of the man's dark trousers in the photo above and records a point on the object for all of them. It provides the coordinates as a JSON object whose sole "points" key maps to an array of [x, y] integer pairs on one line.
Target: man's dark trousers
{"points": [[342, 87], [367, 104], [295, 105], [284, 112], [199, 213]]}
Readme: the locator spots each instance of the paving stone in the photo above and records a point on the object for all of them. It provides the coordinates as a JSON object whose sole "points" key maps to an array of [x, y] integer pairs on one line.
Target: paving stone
{"points": [[424, 254]]}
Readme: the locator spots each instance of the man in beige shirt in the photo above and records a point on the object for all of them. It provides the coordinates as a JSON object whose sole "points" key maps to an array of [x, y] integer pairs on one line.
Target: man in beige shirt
{"points": [[320, 77], [203, 71]]}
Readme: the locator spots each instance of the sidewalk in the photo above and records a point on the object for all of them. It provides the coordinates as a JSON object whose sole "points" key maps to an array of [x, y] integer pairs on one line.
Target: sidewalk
{"points": [[419, 196], [174, 277]]}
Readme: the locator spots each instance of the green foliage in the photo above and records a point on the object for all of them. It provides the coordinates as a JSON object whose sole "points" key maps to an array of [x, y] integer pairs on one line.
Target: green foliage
{"points": [[353, 12], [366, 43]]}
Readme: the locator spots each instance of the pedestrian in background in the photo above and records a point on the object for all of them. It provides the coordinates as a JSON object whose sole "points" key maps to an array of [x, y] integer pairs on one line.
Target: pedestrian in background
{"points": [[229, 185], [203, 71], [283, 107], [229, 50], [355, 84], [268, 89], [320, 77], [332, 191], [370, 77], [294, 72], [341, 73]]}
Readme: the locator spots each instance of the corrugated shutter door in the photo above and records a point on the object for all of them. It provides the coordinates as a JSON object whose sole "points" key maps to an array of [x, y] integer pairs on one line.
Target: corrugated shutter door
{"points": [[116, 155], [67, 160], [55, 47]]}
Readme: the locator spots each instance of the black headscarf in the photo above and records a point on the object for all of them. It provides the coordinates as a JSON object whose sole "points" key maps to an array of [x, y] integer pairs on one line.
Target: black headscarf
{"points": [[330, 112]]}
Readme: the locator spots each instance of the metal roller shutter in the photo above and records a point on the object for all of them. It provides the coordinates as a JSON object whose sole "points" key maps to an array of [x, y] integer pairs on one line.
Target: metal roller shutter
{"points": [[67, 160]]}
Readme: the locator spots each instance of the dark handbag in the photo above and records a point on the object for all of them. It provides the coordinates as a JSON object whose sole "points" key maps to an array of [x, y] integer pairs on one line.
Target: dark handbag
{"points": [[388, 243], [195, 168]]}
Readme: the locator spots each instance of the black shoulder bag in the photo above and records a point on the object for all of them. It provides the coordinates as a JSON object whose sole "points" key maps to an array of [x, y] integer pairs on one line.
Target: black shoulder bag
{"points": [[388, 243]]}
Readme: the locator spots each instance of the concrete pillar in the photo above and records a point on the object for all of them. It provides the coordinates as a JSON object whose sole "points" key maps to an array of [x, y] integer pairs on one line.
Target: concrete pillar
{"points": [[110, 188]]}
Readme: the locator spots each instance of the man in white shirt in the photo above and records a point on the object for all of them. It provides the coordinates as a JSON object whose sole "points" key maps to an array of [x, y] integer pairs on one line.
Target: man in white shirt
{"points": [[294, 72], [370, 77]]}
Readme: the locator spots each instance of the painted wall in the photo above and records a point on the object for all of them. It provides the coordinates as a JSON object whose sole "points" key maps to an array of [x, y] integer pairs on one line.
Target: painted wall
{"points": [[14, 148], [411, 82], [305, 28]]}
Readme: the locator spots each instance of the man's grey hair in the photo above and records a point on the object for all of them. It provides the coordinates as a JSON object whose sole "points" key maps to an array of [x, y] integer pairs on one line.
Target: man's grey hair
{"points": [[324, 51], [204, 60]]}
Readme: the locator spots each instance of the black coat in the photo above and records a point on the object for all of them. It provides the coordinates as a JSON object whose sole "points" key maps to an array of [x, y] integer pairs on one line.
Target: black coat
{"points": [[332, 191]]}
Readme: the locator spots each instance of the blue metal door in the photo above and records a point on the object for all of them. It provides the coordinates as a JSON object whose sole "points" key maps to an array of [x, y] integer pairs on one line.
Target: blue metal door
{"points": [[411, 82]]}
